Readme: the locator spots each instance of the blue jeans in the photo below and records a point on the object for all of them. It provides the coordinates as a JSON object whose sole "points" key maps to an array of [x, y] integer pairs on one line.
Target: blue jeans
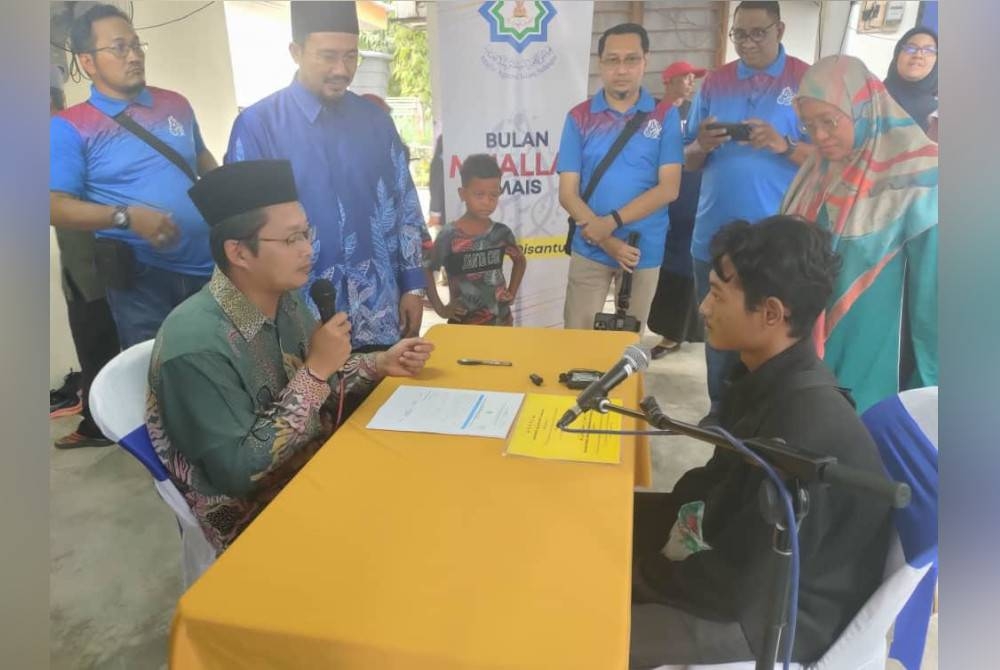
{"points": [[719, 363], [139, 311]]}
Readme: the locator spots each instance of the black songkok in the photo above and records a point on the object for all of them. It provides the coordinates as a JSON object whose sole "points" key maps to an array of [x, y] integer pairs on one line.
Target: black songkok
{"points": [[323, 17], [238, 188]]}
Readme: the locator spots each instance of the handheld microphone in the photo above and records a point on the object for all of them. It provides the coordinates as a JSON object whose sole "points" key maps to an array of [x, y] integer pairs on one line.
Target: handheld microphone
{"points": [[324, 295], [633, 360]]}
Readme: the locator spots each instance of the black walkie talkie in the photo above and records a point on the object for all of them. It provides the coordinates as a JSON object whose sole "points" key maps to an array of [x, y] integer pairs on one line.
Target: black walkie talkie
{"points": [[620, 320]]}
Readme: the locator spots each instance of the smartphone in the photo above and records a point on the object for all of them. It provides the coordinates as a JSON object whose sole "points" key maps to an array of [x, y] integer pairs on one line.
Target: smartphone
{"points": [[739, 132]]}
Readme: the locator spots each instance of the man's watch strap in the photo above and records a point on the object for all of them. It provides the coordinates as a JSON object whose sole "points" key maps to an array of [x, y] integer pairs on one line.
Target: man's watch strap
{"points": [[120, 218], [618, 218], [416, 291]]}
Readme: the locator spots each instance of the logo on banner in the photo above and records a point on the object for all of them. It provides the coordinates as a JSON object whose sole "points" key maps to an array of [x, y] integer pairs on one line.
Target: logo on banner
{"points": [[518, 24]]}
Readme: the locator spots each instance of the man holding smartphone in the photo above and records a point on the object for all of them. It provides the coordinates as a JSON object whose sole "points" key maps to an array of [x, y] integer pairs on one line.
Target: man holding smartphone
{"points": [[746, 168]]}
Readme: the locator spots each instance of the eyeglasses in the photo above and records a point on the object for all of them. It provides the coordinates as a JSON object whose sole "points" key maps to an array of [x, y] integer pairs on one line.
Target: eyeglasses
{"points": [[913, 49], [350, 59], [738, 35], [630, 62], [120, 50], [308, 235], [827, 124]]}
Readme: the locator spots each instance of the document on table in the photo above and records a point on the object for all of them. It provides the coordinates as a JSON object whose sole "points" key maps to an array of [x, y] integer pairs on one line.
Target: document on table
{"points": [[425, 409], [536, 434]]}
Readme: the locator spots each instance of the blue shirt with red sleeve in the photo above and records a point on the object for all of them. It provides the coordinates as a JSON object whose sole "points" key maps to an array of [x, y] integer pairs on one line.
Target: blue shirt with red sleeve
{"points": [[738, 181], [590, 129], [94, 159]]}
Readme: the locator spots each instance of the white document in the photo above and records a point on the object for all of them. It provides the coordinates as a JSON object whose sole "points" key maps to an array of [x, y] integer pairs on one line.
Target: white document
{"points": [[424, 409]]}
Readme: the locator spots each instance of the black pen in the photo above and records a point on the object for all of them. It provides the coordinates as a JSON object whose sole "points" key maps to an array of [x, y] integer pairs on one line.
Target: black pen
{"points": [[480, 361]]}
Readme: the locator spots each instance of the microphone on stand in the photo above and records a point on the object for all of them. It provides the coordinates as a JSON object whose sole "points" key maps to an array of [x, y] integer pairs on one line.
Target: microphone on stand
{"points": [[633, 360], [324, 295]]}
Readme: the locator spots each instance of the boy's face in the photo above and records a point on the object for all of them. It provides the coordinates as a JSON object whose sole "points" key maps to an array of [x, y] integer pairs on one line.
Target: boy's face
{"points": [[480, 196], [729, 326]]}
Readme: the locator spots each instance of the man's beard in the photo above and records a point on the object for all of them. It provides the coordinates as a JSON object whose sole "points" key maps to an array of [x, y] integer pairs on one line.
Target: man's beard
{"points": [[620, 95]]}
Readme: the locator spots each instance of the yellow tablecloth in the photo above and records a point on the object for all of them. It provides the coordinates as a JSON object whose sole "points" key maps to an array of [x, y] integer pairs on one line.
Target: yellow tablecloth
{"points": [[405, 550]]}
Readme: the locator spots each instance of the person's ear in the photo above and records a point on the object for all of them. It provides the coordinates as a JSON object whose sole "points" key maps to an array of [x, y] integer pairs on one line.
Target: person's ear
{"points": [[774, 312], [236, 253], [86, 62], [295, 51], [780, 30]]}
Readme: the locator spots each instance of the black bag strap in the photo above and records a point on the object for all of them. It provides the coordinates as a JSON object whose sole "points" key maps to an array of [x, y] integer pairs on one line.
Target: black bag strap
{"points": [[129, 124], [626, 134], [623, 137]]}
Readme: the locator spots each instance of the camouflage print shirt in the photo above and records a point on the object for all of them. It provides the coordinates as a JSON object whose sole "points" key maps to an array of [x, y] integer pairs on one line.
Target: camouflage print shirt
{"points": [[474, 264], [231, 411]]}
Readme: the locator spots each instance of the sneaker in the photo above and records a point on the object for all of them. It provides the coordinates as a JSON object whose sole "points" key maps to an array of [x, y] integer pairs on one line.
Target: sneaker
{"points": [[76, 440], [66, 399]]}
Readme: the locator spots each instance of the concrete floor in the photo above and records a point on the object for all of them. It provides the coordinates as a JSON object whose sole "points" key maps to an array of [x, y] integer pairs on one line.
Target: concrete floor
{"points": [[115, 572]]}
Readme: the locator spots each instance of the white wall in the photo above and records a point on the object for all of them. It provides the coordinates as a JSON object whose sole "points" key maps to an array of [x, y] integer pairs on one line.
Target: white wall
{"points": [[259, 35], [191, 57]]}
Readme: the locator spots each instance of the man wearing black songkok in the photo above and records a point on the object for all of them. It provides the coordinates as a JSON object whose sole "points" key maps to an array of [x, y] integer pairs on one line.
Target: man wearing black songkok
{"points": [[352, 175], [244, 386]]}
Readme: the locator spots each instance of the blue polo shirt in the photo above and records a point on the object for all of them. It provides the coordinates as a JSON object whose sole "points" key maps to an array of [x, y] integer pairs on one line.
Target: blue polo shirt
{"points": [[590, 130], [94, 159], [738, 181]]}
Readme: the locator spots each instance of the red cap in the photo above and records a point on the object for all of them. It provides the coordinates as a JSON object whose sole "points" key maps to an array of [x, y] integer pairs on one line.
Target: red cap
{"points": [[681, 68]]}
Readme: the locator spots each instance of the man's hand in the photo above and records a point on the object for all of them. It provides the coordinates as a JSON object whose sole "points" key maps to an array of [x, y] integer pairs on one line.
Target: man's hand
{"points": [[404, 359], [504, 295], [626, 255], [156, 227], [329, 346], [598, 230], [411, 313], [764, 136], [707, 139]]}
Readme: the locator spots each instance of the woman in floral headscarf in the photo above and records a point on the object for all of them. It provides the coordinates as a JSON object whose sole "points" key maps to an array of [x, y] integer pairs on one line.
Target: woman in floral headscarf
{"points": [[873, 183]]}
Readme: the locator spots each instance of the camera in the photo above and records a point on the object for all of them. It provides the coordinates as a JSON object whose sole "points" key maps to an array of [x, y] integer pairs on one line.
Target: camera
{"points": [[616, 322], [620, 320]]}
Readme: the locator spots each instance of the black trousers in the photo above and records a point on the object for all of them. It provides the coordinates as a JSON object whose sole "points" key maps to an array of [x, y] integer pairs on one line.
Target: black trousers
{"points": [[96, 342]]}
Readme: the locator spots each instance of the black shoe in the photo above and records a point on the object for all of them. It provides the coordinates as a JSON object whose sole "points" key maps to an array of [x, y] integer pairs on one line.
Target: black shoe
{"points": [[66, 400], [76, 439]]}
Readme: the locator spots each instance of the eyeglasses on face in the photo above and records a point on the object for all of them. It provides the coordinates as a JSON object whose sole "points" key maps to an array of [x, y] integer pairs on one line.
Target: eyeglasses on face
{"points": [[350, 59], [827, 124], [613, 62], [307, 235], [913, 50], [738, 35], [121, 50]]}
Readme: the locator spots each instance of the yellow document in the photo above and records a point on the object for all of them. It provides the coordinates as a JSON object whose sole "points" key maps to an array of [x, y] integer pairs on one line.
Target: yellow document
{"points": [[535, 433]]}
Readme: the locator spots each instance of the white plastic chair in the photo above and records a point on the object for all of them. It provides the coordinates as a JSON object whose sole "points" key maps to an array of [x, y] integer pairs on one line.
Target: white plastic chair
{"points": [[905, 429], [118, 404]]}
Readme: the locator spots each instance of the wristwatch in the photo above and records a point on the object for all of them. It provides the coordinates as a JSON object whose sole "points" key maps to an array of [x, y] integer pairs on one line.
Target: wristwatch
{"points": [[416, 291], [791, 147], [120, 219]]}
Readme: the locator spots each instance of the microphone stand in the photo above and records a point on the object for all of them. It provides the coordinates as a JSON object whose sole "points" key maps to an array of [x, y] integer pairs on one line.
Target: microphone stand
{"points": [[799, 468]]}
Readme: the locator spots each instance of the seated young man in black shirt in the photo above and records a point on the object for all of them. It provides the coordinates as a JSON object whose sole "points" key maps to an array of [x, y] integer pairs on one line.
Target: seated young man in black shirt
{"points": [[702, 555]]}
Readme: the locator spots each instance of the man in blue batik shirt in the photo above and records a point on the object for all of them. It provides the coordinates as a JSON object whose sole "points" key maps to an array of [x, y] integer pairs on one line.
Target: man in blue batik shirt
{"points": [[351, 173]]}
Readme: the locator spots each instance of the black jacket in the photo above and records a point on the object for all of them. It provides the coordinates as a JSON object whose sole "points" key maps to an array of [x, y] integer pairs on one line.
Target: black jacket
{"points": [[843, 539]]}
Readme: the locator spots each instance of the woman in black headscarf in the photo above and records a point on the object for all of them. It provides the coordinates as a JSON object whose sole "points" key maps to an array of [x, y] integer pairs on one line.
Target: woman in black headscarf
{"points": [[913, 75]]}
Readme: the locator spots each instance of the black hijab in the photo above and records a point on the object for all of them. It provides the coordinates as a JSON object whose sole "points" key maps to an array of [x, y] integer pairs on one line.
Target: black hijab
{"points": [[918, 98]]}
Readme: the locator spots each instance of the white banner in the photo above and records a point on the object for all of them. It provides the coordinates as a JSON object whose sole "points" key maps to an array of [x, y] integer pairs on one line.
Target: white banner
{"points": [[510, 71]]}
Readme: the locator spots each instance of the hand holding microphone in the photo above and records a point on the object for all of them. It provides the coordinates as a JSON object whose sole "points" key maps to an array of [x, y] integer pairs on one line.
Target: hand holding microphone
{"points": [[633, 360], [330, 344]]}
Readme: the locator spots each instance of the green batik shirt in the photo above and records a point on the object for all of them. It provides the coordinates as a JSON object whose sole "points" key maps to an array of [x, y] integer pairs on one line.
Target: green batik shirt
{"points": [[232, 412]]}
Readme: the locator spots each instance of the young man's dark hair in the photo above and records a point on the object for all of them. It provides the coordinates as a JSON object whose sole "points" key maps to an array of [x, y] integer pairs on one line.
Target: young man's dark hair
{"points": [[779, 257], [81, 34], [773, 9], [479, 166], [624, 29], [243, 227]]}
